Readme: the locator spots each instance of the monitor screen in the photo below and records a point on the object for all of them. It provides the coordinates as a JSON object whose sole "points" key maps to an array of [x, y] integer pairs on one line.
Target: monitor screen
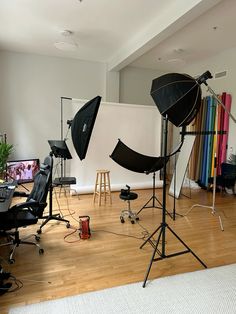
{"points": [[22, 171]]}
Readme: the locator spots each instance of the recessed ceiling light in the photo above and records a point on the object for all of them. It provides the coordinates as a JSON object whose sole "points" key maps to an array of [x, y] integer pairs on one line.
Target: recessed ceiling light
{"points": [[175, 60], [66, 43], [179, 50]]}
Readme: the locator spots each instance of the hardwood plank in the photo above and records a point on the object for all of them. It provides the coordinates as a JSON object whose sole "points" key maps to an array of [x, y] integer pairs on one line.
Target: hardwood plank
{"points": [[112, 256]]}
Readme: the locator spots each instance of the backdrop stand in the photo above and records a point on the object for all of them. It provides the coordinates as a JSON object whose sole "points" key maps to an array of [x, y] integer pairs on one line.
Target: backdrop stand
{"points": [[219, 102], [163, 226]]}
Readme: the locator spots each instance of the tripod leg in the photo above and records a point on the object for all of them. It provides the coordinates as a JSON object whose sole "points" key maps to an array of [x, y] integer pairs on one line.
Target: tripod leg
{"points": [[148, 239], [153, 256], [221, 224], [155, 198], [187, 247], [144, 206]]}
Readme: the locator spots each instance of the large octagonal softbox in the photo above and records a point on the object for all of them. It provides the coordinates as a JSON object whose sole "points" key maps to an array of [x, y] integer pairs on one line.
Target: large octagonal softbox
{"points": [[82, 126], [178, 96]]}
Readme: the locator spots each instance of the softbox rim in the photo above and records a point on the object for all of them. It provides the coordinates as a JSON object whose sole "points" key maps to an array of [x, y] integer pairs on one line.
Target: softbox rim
{"points": [[178, 96]]}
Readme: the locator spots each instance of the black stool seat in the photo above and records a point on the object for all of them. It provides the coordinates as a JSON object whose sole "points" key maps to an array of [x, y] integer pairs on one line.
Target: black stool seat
{"points": [[129, 197]]}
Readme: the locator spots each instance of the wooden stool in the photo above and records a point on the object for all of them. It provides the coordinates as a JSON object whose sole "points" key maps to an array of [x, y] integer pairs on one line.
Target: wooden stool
{"points": [[102, 186]]}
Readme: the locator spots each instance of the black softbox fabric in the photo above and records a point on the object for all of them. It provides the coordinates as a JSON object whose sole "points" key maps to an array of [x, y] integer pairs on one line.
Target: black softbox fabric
{"points": [[132, 160], [82, 126], [178, 96], [60, 149]]}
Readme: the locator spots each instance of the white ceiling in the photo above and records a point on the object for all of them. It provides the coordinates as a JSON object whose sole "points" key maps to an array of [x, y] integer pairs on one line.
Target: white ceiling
{"points": [[156, 34]]}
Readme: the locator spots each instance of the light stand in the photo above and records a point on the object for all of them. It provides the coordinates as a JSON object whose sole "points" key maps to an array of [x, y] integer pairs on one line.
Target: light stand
{"points": [[50, 215], [203, 79], [153, 198], [163, 226], [63, 161]]}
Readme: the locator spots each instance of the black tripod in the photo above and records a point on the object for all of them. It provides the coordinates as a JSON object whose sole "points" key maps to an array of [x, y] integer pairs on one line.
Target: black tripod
{"points": [[153, 197], [163, 226]]}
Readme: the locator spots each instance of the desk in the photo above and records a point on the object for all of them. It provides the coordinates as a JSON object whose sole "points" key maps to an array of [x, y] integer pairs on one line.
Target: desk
{"points": [[4, 206]]}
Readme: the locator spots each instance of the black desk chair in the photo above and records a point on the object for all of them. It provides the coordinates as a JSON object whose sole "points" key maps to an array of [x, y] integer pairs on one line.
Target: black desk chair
{"points": [[28, 212], [228, 176], [227, 179]]}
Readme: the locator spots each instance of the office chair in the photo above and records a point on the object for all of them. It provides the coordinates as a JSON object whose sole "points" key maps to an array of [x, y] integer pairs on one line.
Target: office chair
{"points": [[227, 178], [28, 212]]}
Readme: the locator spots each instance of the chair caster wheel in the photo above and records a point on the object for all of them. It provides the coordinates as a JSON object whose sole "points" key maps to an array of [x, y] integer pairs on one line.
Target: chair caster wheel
{"points": [[39, 231], [122, 219], [68, 225], [11, 261], [41, 251], [37, 238], [137, 218], [132, 222]]}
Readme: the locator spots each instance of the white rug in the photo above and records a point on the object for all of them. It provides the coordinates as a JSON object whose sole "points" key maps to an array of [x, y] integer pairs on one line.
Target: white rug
{"points": [[203, 292]]}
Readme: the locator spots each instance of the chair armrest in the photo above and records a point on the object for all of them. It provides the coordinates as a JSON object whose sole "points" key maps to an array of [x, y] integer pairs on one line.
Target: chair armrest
{"points": [[20, 194], [24, 205]]}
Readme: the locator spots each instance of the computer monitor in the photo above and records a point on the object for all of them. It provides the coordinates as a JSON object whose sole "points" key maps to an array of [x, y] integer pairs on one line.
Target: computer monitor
{"points": [[22, 171]]}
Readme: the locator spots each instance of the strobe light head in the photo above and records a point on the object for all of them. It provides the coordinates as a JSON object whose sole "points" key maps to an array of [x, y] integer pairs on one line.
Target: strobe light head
{"points": [[69, 122], [177, 96], [204, 77]]}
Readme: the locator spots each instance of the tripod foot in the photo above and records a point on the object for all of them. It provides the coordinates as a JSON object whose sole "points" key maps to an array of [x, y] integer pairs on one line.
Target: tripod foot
{"points": [[221, 224], [53, 217]]}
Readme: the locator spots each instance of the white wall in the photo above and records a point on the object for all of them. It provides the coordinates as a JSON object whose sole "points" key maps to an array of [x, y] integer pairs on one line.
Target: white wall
{"points": [[135, 85], [30, 91], [31, 87], [136, 125], [219, 63]]}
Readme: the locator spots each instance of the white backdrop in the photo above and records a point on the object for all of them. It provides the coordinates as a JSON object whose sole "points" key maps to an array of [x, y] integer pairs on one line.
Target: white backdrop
{"points": [[138, 126]]}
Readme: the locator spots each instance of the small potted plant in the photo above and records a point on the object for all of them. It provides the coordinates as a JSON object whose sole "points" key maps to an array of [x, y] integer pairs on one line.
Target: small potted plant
{"points": [[5, 151]]}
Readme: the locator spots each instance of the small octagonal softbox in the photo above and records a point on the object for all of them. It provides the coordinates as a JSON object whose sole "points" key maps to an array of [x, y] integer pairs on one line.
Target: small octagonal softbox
{"points": [[178, 96]]}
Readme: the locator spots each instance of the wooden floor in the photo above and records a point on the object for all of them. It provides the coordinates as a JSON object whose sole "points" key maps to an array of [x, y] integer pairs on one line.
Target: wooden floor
{"points": [[112, 257]]}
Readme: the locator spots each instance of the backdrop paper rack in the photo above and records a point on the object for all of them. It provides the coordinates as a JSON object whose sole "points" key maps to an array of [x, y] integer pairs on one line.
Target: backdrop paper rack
{"points": [[216, 133]]}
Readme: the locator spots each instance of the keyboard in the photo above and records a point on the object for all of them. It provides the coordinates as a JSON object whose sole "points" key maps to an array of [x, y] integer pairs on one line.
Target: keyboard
{"points": [[5, 193]]}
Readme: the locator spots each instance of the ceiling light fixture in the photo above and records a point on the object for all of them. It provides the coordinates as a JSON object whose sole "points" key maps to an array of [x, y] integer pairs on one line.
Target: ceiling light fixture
{"points": [[66, 43], [178, 50]]}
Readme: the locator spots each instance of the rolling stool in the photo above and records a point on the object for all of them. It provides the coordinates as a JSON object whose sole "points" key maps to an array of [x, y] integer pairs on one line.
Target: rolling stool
{"points": [[102, 186], [128, 196]]}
